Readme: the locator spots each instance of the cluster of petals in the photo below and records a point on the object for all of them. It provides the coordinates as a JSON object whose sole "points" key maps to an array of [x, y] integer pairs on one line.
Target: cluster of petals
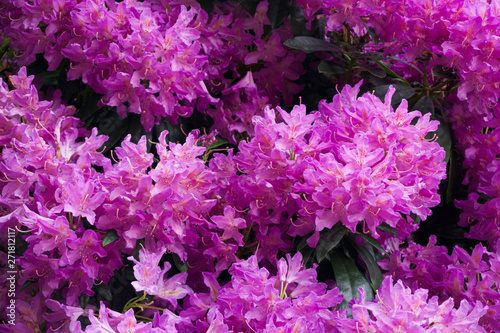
{"points": [[49, 186], [465, 277], [396, 308], [291, 300], [357, 161], [257, 301], [66, 196], [158, 58], [462, 34], [253, 301]]}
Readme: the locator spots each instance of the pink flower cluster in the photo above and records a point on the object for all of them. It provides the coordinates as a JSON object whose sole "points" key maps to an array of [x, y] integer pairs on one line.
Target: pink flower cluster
{"points": [[211, 238], [466, 278], [397, 308], [357, 161], [158, 58], [458, 35]]}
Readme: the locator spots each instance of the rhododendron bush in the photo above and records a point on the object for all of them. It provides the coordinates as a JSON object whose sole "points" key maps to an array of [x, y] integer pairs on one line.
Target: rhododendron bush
{"points": [[250, 166]]}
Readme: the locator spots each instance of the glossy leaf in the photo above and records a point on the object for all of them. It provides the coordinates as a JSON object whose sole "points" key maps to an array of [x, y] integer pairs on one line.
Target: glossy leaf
{"points": [[277, 11], [387, 228], [373, 242], [328, 67], [104, 291], [374, 70], [447, 74], [424, 105], [349, 279], [366, 253], [329, 240], [444, 139], [402, 92], [391, 73], [250, 6], [311, 44], [110, 237], [372, 33]]}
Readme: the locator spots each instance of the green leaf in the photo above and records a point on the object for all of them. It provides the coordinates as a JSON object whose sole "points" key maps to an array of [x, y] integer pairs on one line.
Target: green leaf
{"points": [[349, 279], [220, 142], [390, 73], [113, 126], [104, 291], [424, 105], [442, 134], [329, 240], [372, 34], [328, 67], [110, 237], [249, 5], [371, 56], [373, 242], [181, 266], [444, 139], [5, 44], [139, 244], [83, 300], [277, 11], [302, 244], [307, 253], [402, 92], [207, 5], [374, 70], [311, 44], [387, 228], [298, 21], [447, 74], [366, 253], [27, 284]]}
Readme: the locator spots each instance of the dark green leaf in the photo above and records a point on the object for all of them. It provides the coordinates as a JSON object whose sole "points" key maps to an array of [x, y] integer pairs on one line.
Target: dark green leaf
{"points": [[424, 105], [387, 228], [307, 253], [83, 300], [139, 244], [373, 242], [328, 67], [442, 136], [302, 244], [371, 56], [390, 73], [298, 21], [182, 267], [27, 284], [447, 74], [277, 11], [444, 140], [207, 5], [402, 92], [311, 44], [110, 237], [407, 63], [374, 70], [220, 142], [349, 279], [250, 6], [416, 219], [366, 253], [112, 125], [5, 44], [329, 240], [373, 35], [104, 291]]}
